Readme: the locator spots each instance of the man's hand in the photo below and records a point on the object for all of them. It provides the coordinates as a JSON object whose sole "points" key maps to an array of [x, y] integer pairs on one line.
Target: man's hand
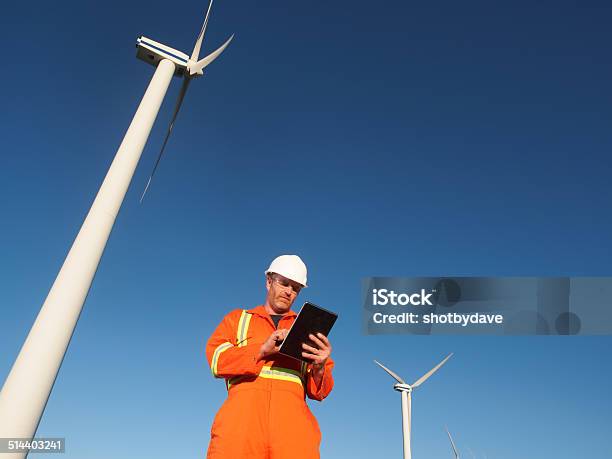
{"points": [[317, 355], [273, 343]]}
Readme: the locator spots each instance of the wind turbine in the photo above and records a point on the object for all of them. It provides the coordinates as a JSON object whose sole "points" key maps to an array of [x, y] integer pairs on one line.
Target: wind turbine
{"points": [[452, 444], [30, 381], [406, 391], [188, 67]]}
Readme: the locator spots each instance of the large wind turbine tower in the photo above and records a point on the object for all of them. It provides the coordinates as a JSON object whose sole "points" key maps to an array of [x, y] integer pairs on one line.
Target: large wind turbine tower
{"points": [[30, 381]]}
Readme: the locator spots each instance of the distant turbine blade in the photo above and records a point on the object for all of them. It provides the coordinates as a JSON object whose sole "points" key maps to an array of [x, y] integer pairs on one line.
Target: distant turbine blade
{"points": [[179, 101], [199, 66], [452, 444], [393, 375], [196, 49], [422, 379]]}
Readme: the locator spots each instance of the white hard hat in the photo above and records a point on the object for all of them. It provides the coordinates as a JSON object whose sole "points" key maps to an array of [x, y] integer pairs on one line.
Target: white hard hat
{"points": [[290, 266]]}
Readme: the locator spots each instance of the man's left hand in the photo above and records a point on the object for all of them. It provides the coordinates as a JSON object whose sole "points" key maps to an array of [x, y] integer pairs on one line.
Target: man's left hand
{"points": [[318, 355]]}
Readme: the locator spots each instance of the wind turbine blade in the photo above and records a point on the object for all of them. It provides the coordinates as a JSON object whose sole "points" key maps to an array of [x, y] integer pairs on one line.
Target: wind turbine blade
{"points": [[179, 101], [199, 66], [452, 444], [422, 379], [393, 375], [198, 44]]}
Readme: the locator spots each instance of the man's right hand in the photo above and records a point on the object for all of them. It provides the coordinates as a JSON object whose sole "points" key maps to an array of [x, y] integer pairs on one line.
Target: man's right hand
{"points": [[273, 343]]}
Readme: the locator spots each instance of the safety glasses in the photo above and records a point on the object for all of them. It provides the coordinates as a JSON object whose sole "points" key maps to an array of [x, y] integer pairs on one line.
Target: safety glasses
{"points": [[287, 283]]}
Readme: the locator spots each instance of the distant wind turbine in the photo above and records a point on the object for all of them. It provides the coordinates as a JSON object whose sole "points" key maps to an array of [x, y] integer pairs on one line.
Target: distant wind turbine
{"points": [[455, 452], [30, 381], [406, 391]]}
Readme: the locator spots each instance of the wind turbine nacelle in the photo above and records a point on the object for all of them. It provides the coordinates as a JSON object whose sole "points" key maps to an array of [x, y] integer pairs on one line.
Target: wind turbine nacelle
{"points": [[152, 52], [402, 387]]}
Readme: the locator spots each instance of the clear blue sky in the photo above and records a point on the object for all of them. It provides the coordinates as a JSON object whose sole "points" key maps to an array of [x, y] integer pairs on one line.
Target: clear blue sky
{"points": [[399, 139]]}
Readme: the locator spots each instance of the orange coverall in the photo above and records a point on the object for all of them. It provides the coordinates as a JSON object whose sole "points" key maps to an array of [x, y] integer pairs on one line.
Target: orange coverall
{"points": [[265, 415]]}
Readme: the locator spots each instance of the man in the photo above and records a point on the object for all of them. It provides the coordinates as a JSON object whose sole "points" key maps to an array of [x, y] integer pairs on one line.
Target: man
{"points": [[265, 414]]}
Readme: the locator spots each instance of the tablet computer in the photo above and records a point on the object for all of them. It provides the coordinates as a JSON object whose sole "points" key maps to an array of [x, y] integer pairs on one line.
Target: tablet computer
{"points": [[311, 319]]}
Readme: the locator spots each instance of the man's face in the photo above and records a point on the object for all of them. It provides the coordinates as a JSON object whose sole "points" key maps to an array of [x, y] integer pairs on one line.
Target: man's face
{"points": [[282, 292]]}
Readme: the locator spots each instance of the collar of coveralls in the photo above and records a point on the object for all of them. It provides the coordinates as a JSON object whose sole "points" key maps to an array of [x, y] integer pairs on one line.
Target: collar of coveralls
{"points": [[261, 311]]}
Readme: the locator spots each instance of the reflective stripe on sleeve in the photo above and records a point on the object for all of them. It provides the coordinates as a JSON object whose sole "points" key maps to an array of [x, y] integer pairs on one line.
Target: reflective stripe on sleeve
{"points": [[243, 328], [215, 359], [241, 340]]}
